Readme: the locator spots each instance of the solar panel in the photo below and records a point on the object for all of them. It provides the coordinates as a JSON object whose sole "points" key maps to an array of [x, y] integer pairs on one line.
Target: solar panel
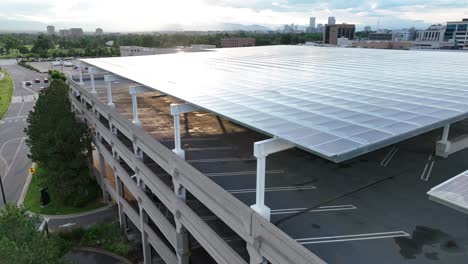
{"points": [[452, 193], [336, 103]]}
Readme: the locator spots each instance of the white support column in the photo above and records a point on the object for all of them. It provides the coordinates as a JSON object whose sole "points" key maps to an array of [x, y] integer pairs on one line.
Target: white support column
{"points": [[92, 71], [133, 92], [109, 79], [261, 150], [144, 236], [445, 133], [176, 111], [80, 68], [182, 249]]}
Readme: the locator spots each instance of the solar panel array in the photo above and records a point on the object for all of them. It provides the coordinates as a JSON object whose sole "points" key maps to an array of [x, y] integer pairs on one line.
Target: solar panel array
{"points": [[453, 193], [336, 103]]}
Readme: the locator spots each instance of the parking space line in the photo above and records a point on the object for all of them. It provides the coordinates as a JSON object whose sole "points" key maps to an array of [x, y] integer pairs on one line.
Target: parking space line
{"points": [[220, 160], [16, 117], [318, 209], [192, 139], [209, 148], [389, 156], [241, 173], [344, 238], [275, 189]]}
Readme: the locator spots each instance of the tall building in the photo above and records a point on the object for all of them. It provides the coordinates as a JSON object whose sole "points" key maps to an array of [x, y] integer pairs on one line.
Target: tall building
{"points": [[457, 32], [99, 32], [319, 28], [331, 21], [432, 33], [75, 32], [64, 33], [312, 22], [289, 28], [333, 32], [367, 29], [50, 30]]}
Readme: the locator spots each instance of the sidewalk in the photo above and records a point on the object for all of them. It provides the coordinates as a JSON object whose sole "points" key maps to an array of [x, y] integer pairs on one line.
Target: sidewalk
{"points": [[105, 214]]}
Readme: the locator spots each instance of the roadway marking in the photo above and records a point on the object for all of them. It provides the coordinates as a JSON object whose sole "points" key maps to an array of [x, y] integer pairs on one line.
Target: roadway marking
{"points": [[209, 148], [14, 156], [318, 209], [191, 139], [275, 189], [297, 210], [220, 160], [368, 236], [1, 156], [425, 176], [389, 156], [16, 117], [241, 173]]}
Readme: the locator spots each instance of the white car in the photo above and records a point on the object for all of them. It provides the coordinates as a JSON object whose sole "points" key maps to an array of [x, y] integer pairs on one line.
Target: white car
{"points": [[68, 64], [56, 63]]}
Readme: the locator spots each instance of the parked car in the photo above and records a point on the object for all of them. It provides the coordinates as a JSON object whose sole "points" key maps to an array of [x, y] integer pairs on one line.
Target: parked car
{"points": [[68, 64], [46, 80], [27, 83], [37, 81]]}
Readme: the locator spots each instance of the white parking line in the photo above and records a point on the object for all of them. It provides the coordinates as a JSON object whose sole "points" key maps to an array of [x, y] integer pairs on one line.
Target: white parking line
{"points": [[275, 189], [208, 148], [389, 156], [11, 118], [220, 160], [241, 173], [368, 236], [318, 209]]}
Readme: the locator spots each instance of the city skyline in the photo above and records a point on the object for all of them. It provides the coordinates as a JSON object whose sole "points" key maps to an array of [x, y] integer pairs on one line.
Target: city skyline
{"points": [[142, 15]]}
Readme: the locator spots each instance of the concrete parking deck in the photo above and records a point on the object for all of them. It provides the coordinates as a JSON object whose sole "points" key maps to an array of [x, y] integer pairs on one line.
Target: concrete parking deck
{"points": [[372, 209]]}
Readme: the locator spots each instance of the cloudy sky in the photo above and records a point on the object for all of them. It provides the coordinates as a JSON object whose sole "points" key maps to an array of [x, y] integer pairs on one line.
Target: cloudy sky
{"points": [[149, 15]]}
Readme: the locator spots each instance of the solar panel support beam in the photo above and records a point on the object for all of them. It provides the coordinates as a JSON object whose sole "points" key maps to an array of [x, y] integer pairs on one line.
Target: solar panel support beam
{"points": [[261, 150], [134, 90], [176, 111], [92, 71], [80, 68], [109, 79]]}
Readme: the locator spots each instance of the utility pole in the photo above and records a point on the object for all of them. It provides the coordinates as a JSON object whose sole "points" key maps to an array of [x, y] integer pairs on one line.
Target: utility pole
{"points": [[3, 191]]}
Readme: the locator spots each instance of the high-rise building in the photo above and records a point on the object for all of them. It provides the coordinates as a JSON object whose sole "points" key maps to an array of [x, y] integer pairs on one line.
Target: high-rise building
{"points": [[50, 30], [312, 22], [333, 32], [64, 33], [319, 28], [75, 32], [457, 32], [331, 21], [367, 29], [99, 32]]}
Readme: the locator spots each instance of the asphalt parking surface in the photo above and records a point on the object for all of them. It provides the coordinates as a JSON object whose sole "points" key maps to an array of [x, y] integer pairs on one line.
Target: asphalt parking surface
{"points": [[372, 209]]}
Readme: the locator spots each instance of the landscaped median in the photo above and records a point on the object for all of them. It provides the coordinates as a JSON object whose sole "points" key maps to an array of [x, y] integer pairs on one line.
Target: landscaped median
{"points": [[32, 200], [6, 92]]}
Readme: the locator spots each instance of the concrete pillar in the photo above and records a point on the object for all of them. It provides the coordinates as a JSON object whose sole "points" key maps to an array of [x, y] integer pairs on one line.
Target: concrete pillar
{"points": [[133, 92], [108, 79], [255, 257], [120, 193], [445, 133], [80, 68], [177, 148], [103, 175], [144, 236], [91, 71], [259, 205], [182, 249]]}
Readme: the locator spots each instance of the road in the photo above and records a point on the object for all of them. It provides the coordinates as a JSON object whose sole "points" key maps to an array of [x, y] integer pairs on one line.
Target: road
{"points": [[14, 163]]}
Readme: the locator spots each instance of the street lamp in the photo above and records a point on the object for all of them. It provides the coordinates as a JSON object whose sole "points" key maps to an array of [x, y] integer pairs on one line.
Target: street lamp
{"points": [[3, 191]]}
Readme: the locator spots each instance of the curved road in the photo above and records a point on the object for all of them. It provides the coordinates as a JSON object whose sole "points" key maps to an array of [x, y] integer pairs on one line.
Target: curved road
{"points": [[14, 163]]}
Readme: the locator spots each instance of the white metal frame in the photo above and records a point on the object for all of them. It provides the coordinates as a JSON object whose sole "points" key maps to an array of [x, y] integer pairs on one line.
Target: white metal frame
{"points": [[109, 79], [92, 71], [261, 150], [134, 90], [176, 111]]}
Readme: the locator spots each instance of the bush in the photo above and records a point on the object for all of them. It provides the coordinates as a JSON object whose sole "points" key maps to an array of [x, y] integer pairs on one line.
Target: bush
{"points": [[57, 75]]}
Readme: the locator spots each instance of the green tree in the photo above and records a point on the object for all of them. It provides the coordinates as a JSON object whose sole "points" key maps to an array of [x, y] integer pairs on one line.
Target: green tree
{"points": [[60, 144], [21, 243], [42, 45]]}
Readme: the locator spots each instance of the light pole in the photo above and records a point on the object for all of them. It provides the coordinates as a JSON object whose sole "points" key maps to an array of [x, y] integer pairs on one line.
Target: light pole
{"points": [[3, 191]]}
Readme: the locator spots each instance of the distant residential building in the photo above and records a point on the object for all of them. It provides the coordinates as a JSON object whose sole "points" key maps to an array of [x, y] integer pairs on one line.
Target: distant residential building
{"points": [[380, 36], [367, 29], [331, 21], [99, 32], [333, 32], [237, 42], [401, 35], [50, 30], [64, 33], [458, 33], [312, 22], [319, 28], [75, 32], [433, 33]]}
